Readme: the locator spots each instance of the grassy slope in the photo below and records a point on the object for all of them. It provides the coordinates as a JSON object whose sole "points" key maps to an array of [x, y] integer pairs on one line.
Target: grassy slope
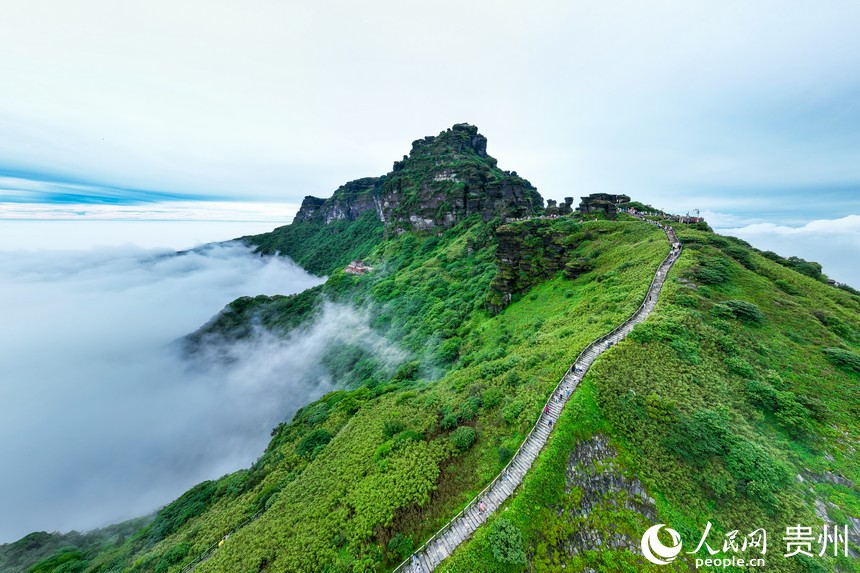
{"points": [[785, 410], [391, 472], [320, 249]]}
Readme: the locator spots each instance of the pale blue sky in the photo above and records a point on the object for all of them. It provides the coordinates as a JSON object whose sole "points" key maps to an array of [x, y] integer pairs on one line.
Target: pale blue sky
{"points": [[748, 111]]}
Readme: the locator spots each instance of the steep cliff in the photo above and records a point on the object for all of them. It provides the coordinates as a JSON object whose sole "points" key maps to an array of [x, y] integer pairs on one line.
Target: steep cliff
{"points": [[529, 252], [443, 179]]}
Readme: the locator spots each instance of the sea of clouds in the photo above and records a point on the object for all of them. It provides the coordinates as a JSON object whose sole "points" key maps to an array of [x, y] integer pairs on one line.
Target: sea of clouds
{"points": [[102, 416]]}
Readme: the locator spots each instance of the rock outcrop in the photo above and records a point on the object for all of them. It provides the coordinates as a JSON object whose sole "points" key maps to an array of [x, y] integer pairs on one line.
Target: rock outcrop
{"points": [[604, 487], [602, 203], [444, 179], [531, 251], [347, 203]]}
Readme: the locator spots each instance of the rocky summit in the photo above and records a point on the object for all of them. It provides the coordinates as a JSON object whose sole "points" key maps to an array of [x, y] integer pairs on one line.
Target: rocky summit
{"points": [[444, 179]]}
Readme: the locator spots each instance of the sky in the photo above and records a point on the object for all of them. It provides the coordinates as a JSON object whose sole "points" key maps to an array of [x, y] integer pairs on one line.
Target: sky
{"points": [[749, 112], [103, 417]]}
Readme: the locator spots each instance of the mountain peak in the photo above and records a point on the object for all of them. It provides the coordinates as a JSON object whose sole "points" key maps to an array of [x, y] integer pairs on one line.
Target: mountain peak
{"points": [[461, 137], [445, 178]]}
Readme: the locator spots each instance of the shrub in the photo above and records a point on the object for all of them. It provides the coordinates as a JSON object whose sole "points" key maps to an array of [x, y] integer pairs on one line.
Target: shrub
{"points": [[745, 311], [491, 398], [391, 427], [739, 366], [313, 443], [739, 309], [315, 414], [513, 378], [787, 287], [172, 556], [722, 311], [463, 437], [190, 504], [762, 394], [469, 408], [512, 411], [408, 371], [506, 542], [701, 435], [449, 419], [789, 411], [848, 361], [67, 560], [400, 545], [450, 349], [759, 475], [711, 271]]}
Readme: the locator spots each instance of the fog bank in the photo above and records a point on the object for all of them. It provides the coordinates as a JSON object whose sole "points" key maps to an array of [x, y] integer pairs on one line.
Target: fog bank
{"points": [[102, 418]]}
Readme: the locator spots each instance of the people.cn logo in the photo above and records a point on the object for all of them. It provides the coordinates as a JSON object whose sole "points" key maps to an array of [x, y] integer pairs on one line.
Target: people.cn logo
{"points": [[654, 550]]}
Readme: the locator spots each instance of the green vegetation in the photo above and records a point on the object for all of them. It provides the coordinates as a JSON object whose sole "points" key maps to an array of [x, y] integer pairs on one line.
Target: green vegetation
{"points": [[64, 552], [278, 314], [731, 390], [321, 249], [507, 542]]}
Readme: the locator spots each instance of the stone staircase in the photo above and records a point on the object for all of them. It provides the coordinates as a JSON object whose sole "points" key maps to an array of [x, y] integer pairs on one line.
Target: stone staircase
{"points": [[445, 541]]}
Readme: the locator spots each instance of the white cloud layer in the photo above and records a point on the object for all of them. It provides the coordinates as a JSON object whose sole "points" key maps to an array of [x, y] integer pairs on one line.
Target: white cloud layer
{"points": [[281, 99], [835, 243], [275, 213], [102, 419]]}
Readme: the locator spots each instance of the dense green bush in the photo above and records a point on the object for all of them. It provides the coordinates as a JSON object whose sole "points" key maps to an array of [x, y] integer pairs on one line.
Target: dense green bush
{"points": [[745, 311], [68, 560], [711, 271], [313, 443], [742, 310], [391, 427], [400, 545], [507, 542], [848, 361], [758, 474], [704, 433], [173, 556], [463, 437]]}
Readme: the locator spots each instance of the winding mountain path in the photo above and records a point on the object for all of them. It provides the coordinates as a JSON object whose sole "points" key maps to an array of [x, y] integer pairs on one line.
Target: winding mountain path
{"points": [[445, 541]]}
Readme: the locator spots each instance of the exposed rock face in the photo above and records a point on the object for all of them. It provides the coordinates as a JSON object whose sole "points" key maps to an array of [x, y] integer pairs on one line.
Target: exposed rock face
{"points": [[529, 252], [604, 486], [347, 203], [602, 203], [444, 179], [563, 208]]}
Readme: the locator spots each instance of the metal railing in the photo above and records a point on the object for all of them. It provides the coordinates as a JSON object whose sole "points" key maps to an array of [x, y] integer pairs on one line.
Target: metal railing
{"points": [[656, 284]]}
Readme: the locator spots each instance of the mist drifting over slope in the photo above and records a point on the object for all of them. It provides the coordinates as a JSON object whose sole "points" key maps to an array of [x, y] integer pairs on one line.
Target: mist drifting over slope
{"points": [[102, 416]]}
